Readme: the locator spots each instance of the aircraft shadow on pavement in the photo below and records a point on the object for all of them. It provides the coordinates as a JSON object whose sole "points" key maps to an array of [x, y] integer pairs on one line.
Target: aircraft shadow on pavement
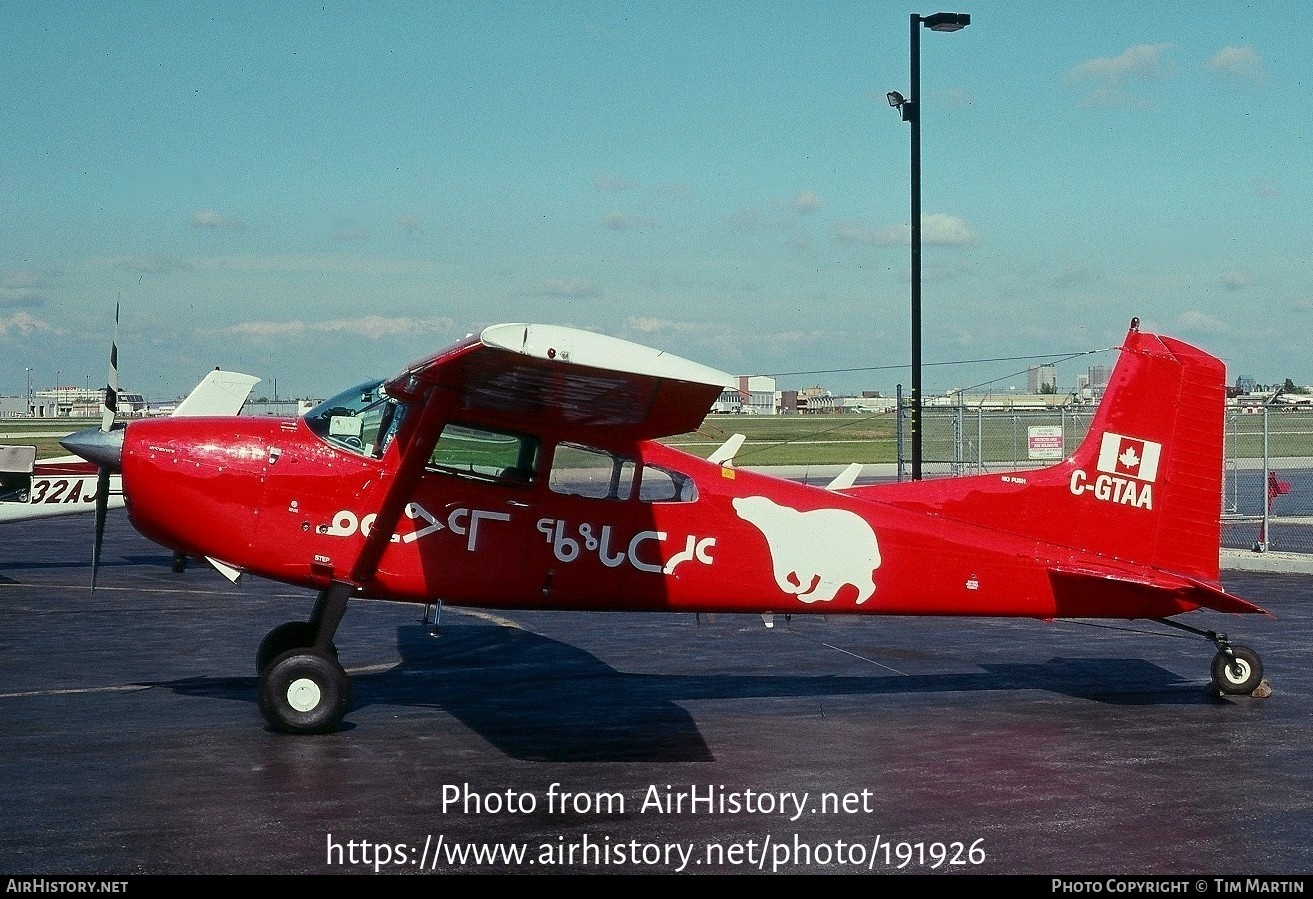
{"points": [[539, 699]]}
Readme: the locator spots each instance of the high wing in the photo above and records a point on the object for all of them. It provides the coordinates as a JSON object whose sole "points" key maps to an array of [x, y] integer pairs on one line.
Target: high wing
{"points": [[547, 378], [552, 377]]}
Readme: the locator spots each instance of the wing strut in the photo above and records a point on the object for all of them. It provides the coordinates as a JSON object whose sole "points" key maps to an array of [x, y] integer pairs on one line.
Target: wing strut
{"points": [[414, 454]]}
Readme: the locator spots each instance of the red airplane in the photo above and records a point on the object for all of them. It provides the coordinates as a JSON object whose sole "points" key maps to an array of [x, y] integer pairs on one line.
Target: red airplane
{"points": [[519, 469]]}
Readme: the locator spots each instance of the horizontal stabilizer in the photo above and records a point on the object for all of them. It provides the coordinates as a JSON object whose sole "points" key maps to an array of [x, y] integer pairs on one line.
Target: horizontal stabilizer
{"points": [[1084, 592], [725, 453], [845, 478]]}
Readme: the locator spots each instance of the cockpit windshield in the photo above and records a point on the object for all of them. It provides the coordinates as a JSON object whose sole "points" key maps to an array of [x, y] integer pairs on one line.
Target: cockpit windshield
{"points": [[361, 419]]}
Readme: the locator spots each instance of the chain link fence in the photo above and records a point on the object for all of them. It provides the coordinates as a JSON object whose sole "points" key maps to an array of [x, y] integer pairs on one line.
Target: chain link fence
{"points": [[1267, 485]]}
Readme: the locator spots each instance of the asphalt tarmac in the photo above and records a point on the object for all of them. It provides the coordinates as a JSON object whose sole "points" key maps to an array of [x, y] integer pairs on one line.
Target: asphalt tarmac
{"points": [[547, 742]]}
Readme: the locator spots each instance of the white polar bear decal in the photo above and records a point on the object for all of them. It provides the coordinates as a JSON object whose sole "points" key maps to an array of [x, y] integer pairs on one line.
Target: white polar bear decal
{"points": [[815, 553]]}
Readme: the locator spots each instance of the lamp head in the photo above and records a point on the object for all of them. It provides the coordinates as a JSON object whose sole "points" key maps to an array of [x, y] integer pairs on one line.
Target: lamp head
{"points": [[946, 21]]}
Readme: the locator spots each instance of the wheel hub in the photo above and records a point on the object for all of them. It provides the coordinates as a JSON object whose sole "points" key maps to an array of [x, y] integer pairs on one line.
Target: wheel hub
{"points": [[303, 694], [1238, 670]]}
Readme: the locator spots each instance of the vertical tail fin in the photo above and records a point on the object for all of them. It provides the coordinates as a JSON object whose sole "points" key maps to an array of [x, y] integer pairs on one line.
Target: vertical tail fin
{"points": [[1145, 485], [1147, 480]]}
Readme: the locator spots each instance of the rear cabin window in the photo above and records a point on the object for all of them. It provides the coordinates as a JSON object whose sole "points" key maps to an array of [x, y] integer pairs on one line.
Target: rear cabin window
{"points": [[584, 471], [661, 485], [597, 474], [485, 454]]}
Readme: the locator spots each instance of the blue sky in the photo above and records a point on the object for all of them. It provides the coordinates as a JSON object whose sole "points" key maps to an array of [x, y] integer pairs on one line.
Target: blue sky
{"points": [[320, 193]]}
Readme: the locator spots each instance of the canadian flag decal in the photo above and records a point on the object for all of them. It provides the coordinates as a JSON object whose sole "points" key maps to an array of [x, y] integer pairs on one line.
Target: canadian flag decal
{"points": [[1129, 457]]}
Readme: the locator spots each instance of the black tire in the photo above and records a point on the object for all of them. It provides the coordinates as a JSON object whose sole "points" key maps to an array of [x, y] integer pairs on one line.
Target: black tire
{"points": [[292, 635], [1238, 676], [304, 691], [179, 563]]}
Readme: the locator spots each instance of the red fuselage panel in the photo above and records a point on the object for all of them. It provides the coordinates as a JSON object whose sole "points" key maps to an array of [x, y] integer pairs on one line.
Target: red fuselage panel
{"points": [[270, 497]]}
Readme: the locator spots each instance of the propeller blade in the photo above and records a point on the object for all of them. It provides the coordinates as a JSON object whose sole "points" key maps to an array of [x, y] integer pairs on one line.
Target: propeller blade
{"points": [[109, 411], [102, 508], [107, 415]]}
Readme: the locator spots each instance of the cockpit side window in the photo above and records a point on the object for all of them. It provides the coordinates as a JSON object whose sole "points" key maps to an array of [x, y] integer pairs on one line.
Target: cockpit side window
{"points": [[485, 454]]}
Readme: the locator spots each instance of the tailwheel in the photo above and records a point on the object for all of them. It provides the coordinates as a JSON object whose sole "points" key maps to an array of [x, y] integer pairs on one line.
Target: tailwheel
{"points": [[1237, 670], [304, 691]]}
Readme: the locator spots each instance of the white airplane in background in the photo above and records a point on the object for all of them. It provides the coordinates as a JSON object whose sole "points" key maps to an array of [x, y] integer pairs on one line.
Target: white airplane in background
{"points": [[66, 485]]}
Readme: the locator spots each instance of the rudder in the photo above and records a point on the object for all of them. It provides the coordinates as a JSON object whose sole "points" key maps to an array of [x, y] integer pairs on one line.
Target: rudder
{"points": [[1155, 445]]}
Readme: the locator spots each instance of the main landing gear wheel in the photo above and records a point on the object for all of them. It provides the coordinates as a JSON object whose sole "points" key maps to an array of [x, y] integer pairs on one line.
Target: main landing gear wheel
{"points": [[1239, 673], [304, 691], [292, 635]]}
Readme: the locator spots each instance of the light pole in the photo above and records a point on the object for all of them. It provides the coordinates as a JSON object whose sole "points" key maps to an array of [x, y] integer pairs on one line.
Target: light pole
{"points": [[910, 108], [31, 410]]}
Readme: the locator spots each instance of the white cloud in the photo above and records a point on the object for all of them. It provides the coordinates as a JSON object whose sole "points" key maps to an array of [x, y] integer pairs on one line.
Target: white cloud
{"points": [[569, 287], [378, 326], [804, 201], [622, 221], [651, 325], [152, 265], [1072, 276], [1202, 321], [1108, 76], [348, 233], [749, 221], [21, 287], [780, 214], [410, 224], [614, 183], [723, 344], [1236, 279], [267, 329], [25, 324], [850, 231], [374, 327], [20, 278], [208, 218], [1241, 63], [939, 229], [958, 98], [315, 264]]}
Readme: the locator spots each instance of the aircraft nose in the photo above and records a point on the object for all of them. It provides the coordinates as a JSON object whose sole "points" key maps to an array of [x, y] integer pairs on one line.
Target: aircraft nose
{"points": [[105, 448]]}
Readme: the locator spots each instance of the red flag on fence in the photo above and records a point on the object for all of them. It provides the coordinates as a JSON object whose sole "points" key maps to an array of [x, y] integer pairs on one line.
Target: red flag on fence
{"points": [[1275, 487]]}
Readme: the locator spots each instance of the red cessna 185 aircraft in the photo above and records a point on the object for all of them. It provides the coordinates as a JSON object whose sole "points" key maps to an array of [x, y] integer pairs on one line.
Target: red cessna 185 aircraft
{"points": [[519, 468]]}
